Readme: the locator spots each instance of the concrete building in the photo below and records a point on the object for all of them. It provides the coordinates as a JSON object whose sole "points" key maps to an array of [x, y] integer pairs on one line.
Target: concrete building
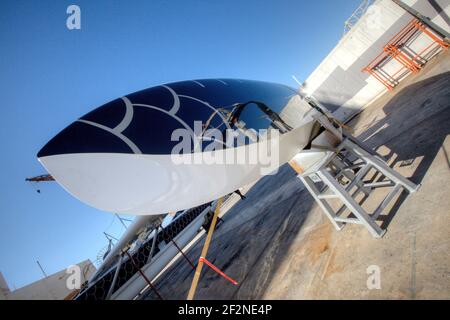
{"points": [[339, 82], [53, 287], [278, 244]]}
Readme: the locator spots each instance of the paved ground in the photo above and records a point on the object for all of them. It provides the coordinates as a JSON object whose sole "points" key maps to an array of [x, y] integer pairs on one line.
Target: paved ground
{"points": [[278, 245]]}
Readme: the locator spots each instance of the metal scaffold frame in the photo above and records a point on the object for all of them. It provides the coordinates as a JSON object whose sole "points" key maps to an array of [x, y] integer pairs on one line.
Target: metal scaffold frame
{"points": [[397, 48], [340, 174]]}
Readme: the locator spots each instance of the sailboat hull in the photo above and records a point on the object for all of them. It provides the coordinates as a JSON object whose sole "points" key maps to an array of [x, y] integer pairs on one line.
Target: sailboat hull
{"points": [[120, 157]]}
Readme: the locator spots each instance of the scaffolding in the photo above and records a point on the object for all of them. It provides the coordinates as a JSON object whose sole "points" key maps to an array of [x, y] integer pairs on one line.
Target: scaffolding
{"points": [[338, 170], [399, 49], [356, 15]]}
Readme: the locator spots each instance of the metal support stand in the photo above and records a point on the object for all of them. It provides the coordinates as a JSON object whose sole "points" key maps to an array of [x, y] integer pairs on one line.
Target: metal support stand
{"points": [[342, 172], [336, 169], [152, 250], [116, 275]]}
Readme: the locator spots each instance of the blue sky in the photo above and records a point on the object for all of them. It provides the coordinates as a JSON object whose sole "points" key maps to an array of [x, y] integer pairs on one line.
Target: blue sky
{"points": [[49, 76]]}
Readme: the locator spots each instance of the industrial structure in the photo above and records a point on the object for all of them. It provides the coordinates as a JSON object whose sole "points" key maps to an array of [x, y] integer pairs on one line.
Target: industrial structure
{"points": [[378, 51], [51, 287]]}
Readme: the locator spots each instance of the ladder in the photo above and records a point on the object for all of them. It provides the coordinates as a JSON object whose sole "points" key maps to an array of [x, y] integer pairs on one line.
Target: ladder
{"points": [[340, 175]]}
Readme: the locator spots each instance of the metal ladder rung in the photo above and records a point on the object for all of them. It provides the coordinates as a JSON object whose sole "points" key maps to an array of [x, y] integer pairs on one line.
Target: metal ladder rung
{"points": [[353, 179], [358, 177], [344, 207], [327, 196], [379, 184], [309, 184], [386, 200], [348, 220], [356, 165], [350, 203]]}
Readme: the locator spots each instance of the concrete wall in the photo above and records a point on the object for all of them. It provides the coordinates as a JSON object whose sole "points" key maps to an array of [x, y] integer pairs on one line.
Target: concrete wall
{"points": [[52, 287], [4, 289], [338, 82]]}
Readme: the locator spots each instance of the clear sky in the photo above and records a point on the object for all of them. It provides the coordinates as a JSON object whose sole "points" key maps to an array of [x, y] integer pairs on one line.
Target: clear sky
{"points": [[50, 76]]}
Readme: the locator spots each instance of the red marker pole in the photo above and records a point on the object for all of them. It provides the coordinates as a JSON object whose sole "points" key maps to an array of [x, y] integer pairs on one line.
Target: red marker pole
{"points": [[209, 264]]}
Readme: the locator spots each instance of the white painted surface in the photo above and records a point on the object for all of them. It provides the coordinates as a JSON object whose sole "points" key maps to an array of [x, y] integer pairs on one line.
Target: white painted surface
{"points": [[353, 89], [52, 287], [153, 184]]}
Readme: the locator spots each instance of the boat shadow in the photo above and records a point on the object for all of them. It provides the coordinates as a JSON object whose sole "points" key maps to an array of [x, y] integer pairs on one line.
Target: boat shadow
{"points": [[259, 233], [413, 131]]}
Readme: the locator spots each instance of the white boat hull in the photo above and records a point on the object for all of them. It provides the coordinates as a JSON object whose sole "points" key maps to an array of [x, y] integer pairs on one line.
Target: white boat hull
{"points": [[142, 184]]}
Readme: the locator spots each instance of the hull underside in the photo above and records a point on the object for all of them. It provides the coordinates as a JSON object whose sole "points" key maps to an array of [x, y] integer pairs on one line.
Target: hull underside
{"points": [[142, 184]]}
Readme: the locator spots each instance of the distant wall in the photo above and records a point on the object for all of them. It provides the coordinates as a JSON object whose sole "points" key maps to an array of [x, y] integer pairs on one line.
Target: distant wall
{"points": [[4, 289], [338, 82], [52, 287]]}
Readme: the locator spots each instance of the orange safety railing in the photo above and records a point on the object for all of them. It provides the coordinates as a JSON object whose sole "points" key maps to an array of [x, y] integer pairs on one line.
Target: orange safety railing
{"points": [[397, 48]]}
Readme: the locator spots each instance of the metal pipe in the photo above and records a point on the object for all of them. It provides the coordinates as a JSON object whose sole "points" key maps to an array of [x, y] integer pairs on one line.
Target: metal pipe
{"points": [[155, 237], [42, 269], [116, 274]]}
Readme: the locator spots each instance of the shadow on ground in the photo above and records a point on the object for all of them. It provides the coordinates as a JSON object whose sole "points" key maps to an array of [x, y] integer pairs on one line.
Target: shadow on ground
{"points": [[413, 130], [249, 245], [254, 241]]}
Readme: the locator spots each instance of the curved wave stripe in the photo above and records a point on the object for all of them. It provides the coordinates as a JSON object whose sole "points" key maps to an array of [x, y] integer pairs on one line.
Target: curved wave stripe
{"points": [[119, 135]]}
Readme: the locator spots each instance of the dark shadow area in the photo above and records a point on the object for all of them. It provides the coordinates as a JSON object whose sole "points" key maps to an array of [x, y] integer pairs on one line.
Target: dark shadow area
{"points": [[416, 124], [250, 245]]}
